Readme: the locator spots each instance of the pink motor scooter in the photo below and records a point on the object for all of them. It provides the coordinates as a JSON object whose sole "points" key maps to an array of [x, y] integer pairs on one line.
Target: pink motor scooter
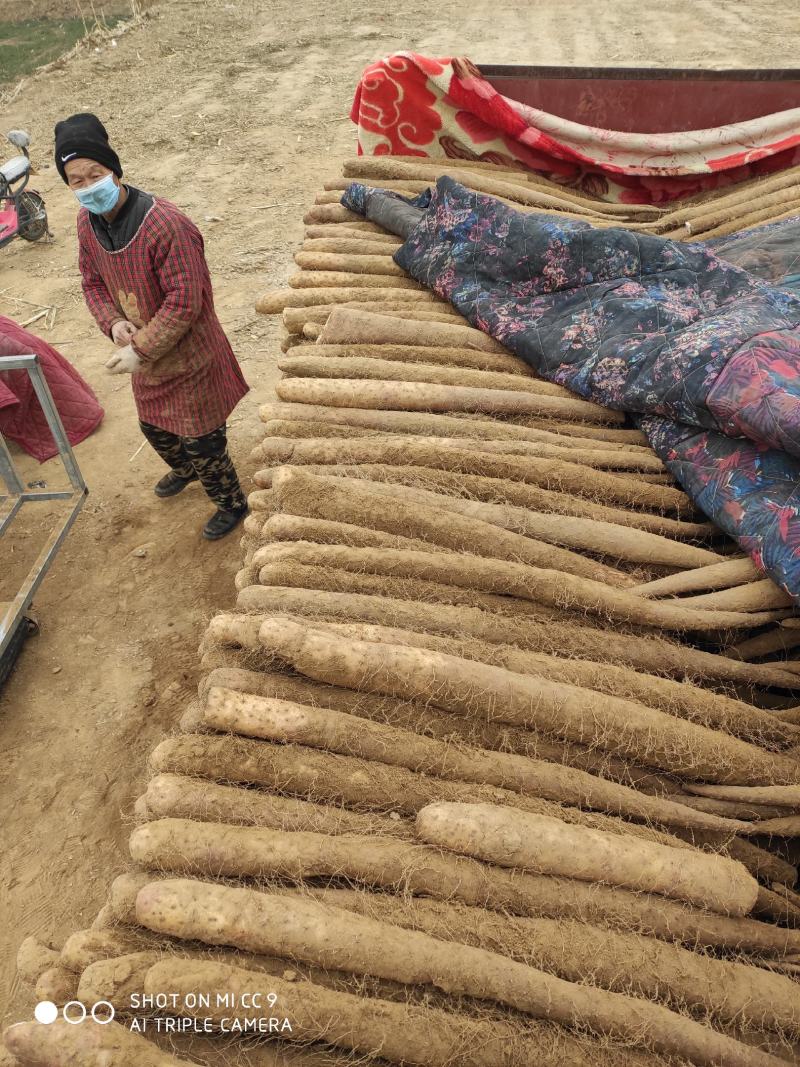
{"points": [[22, 210]]}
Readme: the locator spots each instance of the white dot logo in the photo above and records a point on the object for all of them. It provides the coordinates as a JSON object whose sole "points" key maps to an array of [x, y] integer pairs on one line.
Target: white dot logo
{"points": [[74, 1012], [78, 1017], [102, 1018], [45, 1012]]}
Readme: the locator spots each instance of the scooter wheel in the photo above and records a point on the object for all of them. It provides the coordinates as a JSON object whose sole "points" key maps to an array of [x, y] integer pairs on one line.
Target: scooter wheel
{"points": [[32, 217]]}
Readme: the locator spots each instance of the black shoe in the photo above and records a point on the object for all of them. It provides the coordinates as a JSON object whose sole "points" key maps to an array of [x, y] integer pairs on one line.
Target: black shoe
{"points": [[222, 522], [172, 484]]}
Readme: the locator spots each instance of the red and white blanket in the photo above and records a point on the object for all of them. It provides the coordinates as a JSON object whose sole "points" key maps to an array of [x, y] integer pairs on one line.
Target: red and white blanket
{"points": [[412, 105]]}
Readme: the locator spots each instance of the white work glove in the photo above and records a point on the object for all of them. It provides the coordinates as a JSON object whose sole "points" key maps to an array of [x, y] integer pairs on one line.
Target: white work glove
{"points": [[122, 333], [125, 361]]}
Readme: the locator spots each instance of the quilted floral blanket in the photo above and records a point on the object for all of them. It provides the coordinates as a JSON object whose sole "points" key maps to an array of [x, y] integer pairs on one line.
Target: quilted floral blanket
{"points": [[703, 353], [413, 105], [21, 417]]}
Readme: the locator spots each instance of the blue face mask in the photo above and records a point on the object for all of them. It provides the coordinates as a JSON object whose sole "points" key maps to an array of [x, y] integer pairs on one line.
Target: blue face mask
{"points": [[101, 197]]}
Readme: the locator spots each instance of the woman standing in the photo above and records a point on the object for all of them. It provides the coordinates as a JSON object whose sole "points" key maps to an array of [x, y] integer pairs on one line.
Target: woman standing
{"points": [[146, 281]]}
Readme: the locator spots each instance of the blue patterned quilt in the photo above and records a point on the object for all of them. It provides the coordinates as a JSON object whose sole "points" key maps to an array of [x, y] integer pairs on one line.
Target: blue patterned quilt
{"points": [[702, 353]]}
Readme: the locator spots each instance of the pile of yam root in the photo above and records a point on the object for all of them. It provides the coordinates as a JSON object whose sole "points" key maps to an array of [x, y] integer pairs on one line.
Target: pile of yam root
{"points": [[496, 763]]}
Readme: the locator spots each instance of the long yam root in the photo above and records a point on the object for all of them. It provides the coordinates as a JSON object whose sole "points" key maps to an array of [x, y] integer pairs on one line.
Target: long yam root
{"points": [[786, 796], [287, 721], [91, 1044], [181, 797], [547, 846], [532, 580], [311, 279], [409, 1034], [459, 685], [456, 531], [213, 851], [442, 725], [417, 396], [345, 326], [499, 491], [329, 937], [676, 698], [360, 784], [579, 533], [556, 474], [724, 990], [333, 579], [443, 425], [276, 300], [285, 527], [761, 595], [658, 655], [714, 576]]}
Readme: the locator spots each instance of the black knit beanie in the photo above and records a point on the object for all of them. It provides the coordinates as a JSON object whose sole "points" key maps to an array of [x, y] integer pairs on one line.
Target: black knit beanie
{"points": [[83, 136]]}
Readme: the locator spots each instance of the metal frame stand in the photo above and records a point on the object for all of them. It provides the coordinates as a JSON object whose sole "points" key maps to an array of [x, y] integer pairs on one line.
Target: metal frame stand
{"points": [[12, 613]]}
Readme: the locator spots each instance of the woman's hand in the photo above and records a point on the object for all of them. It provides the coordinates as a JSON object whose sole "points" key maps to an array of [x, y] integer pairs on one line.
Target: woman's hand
{"points": [[122, 333], [126, 361]]}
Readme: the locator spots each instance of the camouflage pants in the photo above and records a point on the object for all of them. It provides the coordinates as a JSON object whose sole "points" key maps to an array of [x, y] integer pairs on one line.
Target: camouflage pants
{"points": [[203, 457]]}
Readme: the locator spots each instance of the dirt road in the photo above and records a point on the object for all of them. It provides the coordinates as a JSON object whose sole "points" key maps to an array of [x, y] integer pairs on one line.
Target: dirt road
{"points": [[236, 111]]}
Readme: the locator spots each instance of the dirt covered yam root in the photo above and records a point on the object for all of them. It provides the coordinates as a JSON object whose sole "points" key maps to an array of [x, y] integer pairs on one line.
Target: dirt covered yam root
{"points": [[753, 596], [339, 279], [656, 655], [408, 355], [325, 936], [725, 991], [723, 575], [116, 979], [361, 785], [348, 326], [681, 699], [514, 184], [405, 515], [538, 843], [346, 261], [275, 301], [408, 1034], [56, 984], [86, 947], [335, 731], [420, 396], [179, 796], [283, 527], [522, 509], [34, 957], [784, 796], [644, 734], [528, 574], [228, 673], [312, 365], [599, 537], [122, 896], [569, 533], [424, 565], [781, 826], [209, 850], [439, 425], [552, 475], [91, 1044]]}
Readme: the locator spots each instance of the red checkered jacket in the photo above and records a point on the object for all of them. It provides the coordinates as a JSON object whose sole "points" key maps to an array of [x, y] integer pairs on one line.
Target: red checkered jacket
{"points": [[159, 281]]}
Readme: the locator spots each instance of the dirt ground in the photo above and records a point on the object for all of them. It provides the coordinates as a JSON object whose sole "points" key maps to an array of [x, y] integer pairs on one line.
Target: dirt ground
{"points": [[237, 111]]}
